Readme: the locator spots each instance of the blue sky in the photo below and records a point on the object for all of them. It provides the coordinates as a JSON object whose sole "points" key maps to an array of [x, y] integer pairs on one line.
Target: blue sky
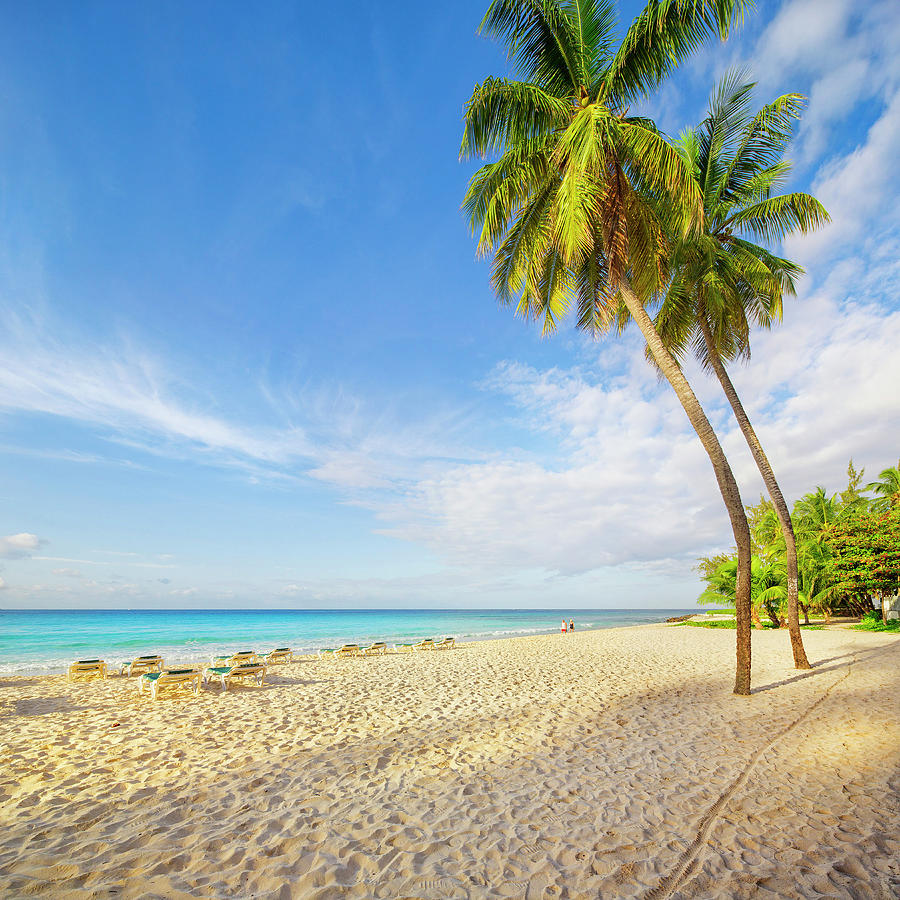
{"points": [[248, 357]]}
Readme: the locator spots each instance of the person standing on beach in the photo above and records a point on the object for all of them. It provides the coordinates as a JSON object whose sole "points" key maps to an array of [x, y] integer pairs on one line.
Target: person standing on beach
{"points": [[571, 624], [563, 629]]}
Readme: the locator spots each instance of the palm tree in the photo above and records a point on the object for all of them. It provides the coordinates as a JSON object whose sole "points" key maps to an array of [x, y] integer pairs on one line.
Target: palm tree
{"points": [[767, 587], [813, 518], [580, 199], [816, 514], [721, 280], [816, 590], [887, 488]]}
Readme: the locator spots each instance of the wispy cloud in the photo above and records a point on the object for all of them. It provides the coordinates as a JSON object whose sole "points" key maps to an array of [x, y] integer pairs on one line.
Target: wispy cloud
{"points": [[97, 562], [142, 402], [857, 189], [123, 389]]}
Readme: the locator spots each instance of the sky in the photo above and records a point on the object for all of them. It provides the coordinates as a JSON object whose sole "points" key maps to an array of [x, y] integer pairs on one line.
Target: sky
{"points": [[248, 356]]}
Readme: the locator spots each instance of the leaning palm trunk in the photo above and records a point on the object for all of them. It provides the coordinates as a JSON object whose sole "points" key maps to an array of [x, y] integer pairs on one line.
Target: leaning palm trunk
{"points": [[768, 476], [724, 476]]}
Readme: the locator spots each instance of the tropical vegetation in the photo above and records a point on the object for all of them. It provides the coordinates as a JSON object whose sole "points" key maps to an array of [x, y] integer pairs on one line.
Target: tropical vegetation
{"points": [[848, 548]]}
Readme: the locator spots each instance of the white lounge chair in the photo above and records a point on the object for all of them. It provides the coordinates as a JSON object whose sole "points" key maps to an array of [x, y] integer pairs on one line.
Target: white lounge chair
{"points": [[235, 659], [227, 674], [143, 664], [171, 678], [87, 667]]}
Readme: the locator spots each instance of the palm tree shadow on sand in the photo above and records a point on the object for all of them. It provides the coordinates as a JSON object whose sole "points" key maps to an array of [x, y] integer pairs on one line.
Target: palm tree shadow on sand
{"points": [[818, 668]]}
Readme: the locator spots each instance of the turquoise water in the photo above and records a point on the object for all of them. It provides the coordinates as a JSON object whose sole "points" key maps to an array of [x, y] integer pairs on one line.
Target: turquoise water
{"points": [[38, 642]]}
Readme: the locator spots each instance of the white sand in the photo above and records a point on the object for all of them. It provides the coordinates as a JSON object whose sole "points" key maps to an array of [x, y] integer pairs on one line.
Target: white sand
{"points": [[610, 763]]}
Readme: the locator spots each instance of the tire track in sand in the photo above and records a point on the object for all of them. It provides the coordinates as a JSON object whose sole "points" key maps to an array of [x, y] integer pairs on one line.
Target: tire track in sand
{"points": [[687, 862]]}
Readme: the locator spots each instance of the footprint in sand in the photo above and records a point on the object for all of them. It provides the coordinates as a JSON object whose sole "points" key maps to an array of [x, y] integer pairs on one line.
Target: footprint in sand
{"points": [[443, 887], [535, 851]]}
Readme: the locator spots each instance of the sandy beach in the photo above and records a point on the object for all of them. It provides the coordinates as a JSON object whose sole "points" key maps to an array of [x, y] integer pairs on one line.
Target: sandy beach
{"points": [[611, 763]]}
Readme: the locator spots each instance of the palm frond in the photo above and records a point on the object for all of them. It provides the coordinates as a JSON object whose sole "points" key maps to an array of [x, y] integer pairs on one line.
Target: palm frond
{"points": [[763, 143], [593, 27], [498, 190], [502, 113], [540, 39], [775, 217], [661, 37]]}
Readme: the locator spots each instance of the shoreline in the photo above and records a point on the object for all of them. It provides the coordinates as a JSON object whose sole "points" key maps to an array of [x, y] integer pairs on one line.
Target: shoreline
{"points": [[392, 651], [178, 655], [550, 766]]}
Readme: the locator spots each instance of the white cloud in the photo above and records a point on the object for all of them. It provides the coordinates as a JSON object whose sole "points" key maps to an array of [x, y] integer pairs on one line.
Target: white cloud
{"points": [[802, 35], [17, 546], [831, 98], [69, 559], [627, 483], [837, 52], [856, 189], [3, 584]]}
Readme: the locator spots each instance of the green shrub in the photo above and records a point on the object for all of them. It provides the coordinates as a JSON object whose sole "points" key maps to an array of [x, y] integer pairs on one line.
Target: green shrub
{"points": [[873, 621]]}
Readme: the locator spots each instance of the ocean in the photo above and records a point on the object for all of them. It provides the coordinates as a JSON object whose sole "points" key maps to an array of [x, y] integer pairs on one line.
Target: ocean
{"points": [[42, 642]]}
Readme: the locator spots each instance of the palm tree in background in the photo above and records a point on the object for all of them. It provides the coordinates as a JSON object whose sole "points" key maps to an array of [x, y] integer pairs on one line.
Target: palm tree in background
{"points": [[721, 280], [767, 586], [887, 489], [582, 196], [816, 514]]}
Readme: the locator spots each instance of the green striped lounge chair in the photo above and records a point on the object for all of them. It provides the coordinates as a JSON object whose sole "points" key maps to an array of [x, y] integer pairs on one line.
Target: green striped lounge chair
{"points": [[87, 667], [227, 674], [142, 664], [170, 679]]}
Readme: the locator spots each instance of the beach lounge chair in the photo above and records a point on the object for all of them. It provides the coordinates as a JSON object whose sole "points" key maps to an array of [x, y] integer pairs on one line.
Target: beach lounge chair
{"points": [[350, 650], [87, 667], [280, 655], [236, 659], [427, 644], [327, 651], [170, 678], [143, 664], [404, 648], [227, 674], [447, 643], [379, 647]]}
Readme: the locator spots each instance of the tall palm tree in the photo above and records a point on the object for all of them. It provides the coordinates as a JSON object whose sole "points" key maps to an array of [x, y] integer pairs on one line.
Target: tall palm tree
{"points": [[721, 279], [887, 488], [581, 196]]}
